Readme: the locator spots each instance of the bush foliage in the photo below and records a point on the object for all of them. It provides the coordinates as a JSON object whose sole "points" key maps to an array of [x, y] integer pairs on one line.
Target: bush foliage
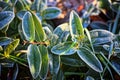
{"points": [[28, 39]]}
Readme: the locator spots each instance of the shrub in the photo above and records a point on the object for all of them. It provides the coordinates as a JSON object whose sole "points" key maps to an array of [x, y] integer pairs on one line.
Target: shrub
{"points": [[26, 39]]}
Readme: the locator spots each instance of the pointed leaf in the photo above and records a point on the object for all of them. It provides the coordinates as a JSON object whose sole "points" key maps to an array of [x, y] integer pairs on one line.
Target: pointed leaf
{"points": [[99, 25], [10, 47], [72, 61], [89, 38], [62, 32], [90, 59], [34, 60], [66, 48], [28, 26], [100, 36], [45, 62], [5, 18], [39, 32], [51, 13], [76, 28], [20, 14], [4, 41]]}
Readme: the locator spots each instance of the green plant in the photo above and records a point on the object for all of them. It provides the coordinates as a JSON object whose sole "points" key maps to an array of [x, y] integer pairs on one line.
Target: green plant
{"points": [[21, 23], [80, 47], [27, 39], [107, 13]]}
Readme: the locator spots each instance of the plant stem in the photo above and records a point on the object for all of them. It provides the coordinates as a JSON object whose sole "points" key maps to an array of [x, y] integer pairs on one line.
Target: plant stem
{"points": [[17, 58], [18, 62], [74, 73], [116, 21], [101, 77]]}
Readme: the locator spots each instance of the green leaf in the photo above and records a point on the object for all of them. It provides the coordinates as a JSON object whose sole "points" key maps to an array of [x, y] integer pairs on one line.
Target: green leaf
{"points": [[62, 32], [72, 61], [89, 38], [66, 48], [1, 48], [28, 26], [53, 40], [20, 14], [39, 5], [35, 5], [6, 1], [14, 72], [39, 32], [115, 6], [54, 63], [115, 69], [106, 47], [48, 32], [4, 41], [10, 47], [76, 28], [3, 5], [45, 62], [100, 36], [6, 18], [51, 13], [89, 78], [111, 50], [116, 64], [59, 76], [20, 30], [90, 59], [117, 51], [34, 60], [7, 63], [19, 5], [43, 5], [99, 25], [103, 4]]}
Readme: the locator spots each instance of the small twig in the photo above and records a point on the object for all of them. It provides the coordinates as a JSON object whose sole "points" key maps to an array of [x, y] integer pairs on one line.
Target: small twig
{"points": [[37, 43], [116, 21], [21, 51]]}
